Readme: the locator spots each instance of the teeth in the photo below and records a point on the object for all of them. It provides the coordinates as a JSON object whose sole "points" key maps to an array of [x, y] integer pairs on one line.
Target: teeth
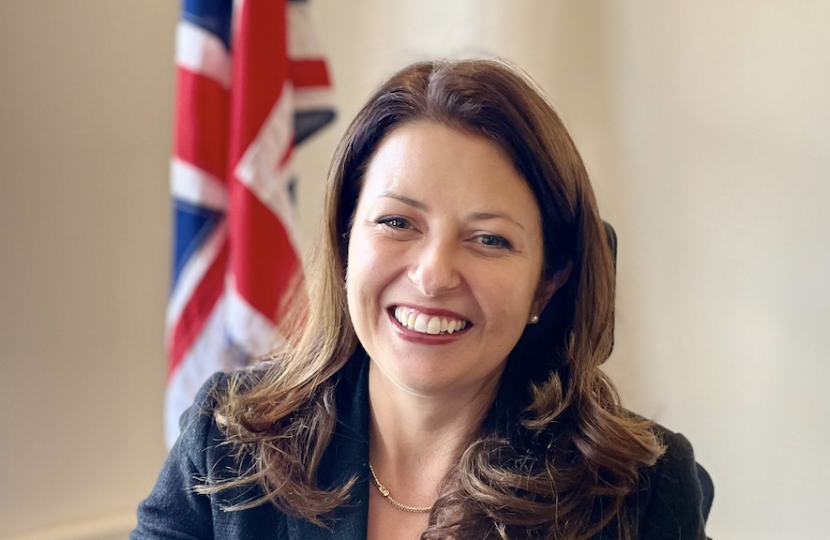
{"points": [[434, 325], [421, 323], [426, 324]]}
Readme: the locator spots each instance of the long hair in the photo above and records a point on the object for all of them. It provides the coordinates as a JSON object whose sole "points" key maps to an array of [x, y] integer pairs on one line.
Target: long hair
{"points": [[557, 454]]}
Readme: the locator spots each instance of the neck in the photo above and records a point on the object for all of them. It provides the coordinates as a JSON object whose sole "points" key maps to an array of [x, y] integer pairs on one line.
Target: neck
{"points": [[416, 439]]}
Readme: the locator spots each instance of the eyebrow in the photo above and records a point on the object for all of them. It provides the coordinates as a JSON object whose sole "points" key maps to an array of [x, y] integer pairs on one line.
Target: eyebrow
{"points": [[475, 216], [406, 200], [484, 216]]}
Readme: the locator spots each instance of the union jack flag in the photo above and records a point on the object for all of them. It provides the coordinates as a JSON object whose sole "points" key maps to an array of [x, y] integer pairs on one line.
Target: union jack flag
{"points": [[251, 85]]}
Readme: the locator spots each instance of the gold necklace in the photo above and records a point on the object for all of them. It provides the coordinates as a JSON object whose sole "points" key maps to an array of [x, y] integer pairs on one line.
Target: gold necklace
{"points": [[393, 502]]}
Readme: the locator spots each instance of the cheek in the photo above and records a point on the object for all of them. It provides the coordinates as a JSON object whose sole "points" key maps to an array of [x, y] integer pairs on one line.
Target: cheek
{"points": [[366, 274], [510, 290], [354, 281], [508, 298]]}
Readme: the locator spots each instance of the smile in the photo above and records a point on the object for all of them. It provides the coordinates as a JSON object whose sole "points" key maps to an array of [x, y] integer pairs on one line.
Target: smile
{"points": [[423, 323]]}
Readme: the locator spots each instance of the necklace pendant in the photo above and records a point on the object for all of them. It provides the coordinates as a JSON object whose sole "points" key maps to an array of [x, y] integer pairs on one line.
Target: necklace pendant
{"points": [[385, 492]]}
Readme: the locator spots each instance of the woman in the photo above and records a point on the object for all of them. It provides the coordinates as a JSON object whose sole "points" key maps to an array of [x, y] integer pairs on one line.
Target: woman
{"points": [[445, 382]]}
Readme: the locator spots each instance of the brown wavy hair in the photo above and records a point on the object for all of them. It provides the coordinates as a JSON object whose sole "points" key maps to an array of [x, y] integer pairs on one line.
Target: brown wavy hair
{"points": [[557, 454]]}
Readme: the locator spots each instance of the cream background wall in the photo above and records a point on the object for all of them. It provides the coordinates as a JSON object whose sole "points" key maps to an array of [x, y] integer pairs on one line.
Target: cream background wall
{"points": [[704, 126]]}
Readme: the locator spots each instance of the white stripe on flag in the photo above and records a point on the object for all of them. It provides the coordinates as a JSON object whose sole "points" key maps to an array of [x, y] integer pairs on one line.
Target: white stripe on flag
{"points": [[192, 273], [300, 28], [312, 98], [260, 170], [201, 52], [191, 184], [246, 326], [208, 355]]}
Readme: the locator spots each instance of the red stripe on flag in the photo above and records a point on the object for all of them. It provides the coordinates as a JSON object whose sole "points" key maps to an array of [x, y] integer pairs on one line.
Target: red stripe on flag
{"points": [[309, 73], [201, 122], [198, 309], [260, 68], [263, 262]]}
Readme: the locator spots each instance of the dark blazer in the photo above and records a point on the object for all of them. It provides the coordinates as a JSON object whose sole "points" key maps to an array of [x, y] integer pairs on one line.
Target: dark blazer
{"points": [[667, 505]]}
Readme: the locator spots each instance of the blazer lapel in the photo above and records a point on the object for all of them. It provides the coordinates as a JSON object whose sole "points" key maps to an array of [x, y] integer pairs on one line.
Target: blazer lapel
{"points": [[347, 456]]}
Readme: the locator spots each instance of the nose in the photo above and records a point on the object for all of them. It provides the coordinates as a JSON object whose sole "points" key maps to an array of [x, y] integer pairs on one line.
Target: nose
{"points": [[435, 267]]}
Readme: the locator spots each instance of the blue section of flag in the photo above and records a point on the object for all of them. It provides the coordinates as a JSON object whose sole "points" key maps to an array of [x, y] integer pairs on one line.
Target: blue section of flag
{"points": [[308, 122], [193, 225], [213, 16]]}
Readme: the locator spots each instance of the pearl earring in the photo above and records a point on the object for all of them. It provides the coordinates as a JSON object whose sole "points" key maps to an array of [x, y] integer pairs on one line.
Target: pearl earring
{"points": [[534, 319]]}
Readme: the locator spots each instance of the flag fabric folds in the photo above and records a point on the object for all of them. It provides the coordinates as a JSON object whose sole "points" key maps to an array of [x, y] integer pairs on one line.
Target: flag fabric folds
{"points": [[251, 84]]}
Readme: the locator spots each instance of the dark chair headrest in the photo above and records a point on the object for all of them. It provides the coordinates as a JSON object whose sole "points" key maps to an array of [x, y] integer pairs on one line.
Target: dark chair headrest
{"points": [[612, 239], [612, 244]]}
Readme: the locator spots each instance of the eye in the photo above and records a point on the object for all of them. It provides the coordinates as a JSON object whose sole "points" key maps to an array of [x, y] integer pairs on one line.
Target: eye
{"points": [[395, 222], [494, 240]]}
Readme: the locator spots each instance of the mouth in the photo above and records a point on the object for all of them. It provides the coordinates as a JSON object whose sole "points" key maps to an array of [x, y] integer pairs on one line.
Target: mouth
{"points": [[435, 324]]}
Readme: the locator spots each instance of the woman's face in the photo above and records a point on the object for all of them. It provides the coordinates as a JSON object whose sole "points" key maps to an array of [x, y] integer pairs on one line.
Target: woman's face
{"points": [[445, 259]]}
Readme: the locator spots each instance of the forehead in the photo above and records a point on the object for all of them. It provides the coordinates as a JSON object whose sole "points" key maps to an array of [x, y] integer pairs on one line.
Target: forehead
{"points": [[442, 166]]}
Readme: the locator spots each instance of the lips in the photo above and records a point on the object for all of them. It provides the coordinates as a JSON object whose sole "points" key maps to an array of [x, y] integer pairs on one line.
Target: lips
{"points": [[428, 323]]}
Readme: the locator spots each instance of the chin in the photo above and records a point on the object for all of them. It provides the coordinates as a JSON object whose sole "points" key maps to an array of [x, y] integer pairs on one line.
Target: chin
{"points": [[418, 376], [432, 381]]}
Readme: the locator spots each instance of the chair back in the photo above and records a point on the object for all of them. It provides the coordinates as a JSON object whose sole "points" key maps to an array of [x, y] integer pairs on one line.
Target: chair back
{"points": [[706, 485]]}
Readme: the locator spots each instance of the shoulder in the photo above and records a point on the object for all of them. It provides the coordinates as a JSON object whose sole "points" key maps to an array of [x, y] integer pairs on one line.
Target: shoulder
{"points": [[213, 393], [201, 434], [198, 422], [176, 509], [203, 439], [669, 502], [206, 399]]}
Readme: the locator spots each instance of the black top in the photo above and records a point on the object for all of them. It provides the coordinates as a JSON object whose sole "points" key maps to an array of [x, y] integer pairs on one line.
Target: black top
{"points": [[666, 506]]}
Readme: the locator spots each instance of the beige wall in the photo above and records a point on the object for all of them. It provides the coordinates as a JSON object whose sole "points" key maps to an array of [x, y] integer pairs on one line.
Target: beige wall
{"points": [[85, 105], [703, 124], [724, 162]]}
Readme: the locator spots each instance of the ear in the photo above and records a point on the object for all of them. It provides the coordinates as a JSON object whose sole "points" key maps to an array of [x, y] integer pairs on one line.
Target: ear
{"points": [[548, 287]]}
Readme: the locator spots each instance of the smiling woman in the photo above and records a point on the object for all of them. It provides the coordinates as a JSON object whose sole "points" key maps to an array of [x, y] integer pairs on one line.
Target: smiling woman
{"points": [[446, 232], [445, 381]]}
